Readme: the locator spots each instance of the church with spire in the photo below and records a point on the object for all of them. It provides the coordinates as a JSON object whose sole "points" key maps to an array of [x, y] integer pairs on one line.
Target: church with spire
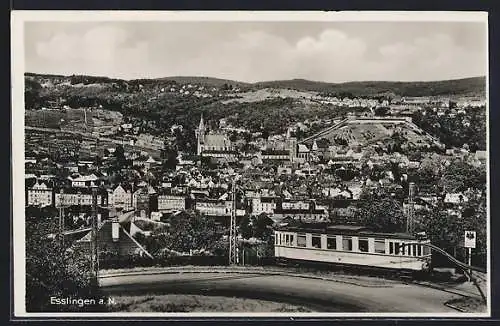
{"points": [[213, 143]]}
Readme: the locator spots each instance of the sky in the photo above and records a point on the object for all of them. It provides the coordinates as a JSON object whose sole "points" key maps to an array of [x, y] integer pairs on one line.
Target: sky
{"points": [[259, 51]]}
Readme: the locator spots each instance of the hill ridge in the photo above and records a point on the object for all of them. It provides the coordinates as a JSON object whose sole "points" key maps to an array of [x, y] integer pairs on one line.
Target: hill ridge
{"points": [[461, 86]]}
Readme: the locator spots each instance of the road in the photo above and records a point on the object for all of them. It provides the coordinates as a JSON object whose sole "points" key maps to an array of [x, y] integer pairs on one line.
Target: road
{"points": [[315, 294]]}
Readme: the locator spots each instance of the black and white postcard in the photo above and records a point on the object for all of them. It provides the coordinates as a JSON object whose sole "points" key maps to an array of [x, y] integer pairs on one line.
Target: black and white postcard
{"points": [[250, 164]]}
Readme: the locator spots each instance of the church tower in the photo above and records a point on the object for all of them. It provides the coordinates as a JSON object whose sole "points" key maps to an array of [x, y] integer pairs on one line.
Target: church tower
{"points": [[292, 145], [200, 136]]}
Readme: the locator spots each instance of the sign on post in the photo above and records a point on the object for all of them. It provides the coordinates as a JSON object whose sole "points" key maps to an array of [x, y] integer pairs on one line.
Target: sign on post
{"points": [[470, 239]]}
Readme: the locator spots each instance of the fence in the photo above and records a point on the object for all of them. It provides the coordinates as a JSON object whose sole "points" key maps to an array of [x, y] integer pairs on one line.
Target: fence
{"points": [[247, 255], [133, 261]]}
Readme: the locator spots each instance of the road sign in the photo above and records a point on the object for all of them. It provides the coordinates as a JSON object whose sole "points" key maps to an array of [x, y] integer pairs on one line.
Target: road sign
{"points": [[470, 239]]}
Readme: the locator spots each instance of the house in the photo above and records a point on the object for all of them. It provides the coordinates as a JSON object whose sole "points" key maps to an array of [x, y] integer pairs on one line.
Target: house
{"points": [[85, 181], [120, 197], [168, 202], [295, 204], [71, 167], [113, 240], [337, 192], [306, 211], [40, 194], [145, 199], [275, 155], [303, 153], [481, 155], [30, 160], [306, 215], [455, 198], [126, 127], [216, 207], [79, 197], [264, 204]]}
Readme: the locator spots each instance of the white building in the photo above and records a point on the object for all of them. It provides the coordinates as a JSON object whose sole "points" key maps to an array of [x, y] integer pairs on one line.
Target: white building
{"points": [[78, 197], [39, 195], [171, 202], [85, 181], [214, 207], [265, 205], [120, 197]]}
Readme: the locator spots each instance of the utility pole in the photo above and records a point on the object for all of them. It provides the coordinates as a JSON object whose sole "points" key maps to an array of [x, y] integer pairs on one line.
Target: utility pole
{"points": [[232, 229], [411, 207], [469, 261], [61, 217], [93, 243]]}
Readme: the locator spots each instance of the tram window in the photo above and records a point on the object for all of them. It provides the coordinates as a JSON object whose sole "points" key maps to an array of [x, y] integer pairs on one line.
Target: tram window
{"points": [[346, 243], [301, 240], [380, 246], [287, 238], [419, 250], [275, 240], [414, 252], [426, 251], [291, 240], [316, 241], [397, 248], [363, 245], [391, 248], [331, 243]]}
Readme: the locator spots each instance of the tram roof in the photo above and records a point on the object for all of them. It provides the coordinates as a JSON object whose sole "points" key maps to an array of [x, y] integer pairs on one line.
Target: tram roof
{"points": [[345, 229]]}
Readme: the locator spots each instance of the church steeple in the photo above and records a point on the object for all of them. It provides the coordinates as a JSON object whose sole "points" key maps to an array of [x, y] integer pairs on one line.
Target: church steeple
{"points": [[201, 126], [200, 135]]}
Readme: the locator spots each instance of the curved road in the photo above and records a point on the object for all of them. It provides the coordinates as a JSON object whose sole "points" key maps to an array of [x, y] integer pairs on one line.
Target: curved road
{"points": [[316, 294]]}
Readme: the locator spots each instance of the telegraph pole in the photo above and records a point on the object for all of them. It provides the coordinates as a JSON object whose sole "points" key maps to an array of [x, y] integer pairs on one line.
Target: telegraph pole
{"points": [[232, 229], [411, 207], [93, 243], [61, 217]]}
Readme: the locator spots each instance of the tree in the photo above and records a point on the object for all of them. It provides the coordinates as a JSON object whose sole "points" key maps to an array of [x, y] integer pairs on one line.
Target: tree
{"points": [[53, 270], [381, 111], [323, 142], [429, 172], [246, 227], [262, 226], [345, 174], [120, 155], [380, 212], [440, 227], [32, 93], [188, 231], [170, 156], [460, 175]]}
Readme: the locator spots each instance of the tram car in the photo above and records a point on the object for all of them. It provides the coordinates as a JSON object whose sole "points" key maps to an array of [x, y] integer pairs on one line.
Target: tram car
{"points": [[353, 246]]}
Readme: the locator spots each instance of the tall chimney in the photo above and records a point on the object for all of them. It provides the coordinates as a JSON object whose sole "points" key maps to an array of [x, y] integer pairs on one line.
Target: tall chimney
{"points": [[115, 230]]}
